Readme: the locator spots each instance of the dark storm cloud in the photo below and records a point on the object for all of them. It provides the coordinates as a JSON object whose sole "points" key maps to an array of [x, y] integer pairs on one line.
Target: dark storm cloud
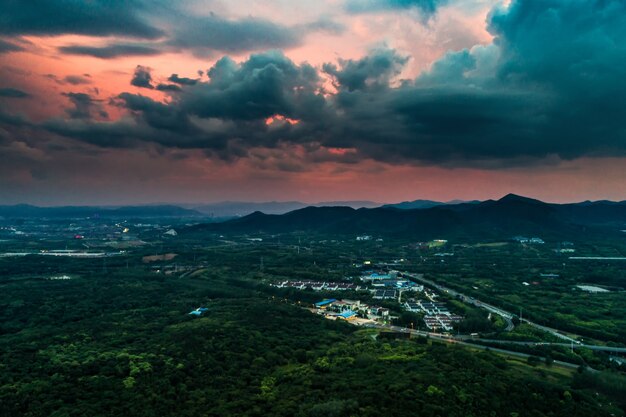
{"points": [[113, 50], [570, 53], [95, 18], [142, 77], [372, 71], [84, 106], [183, 80], [157, 115], [168, 87], [224, 116], [426, 7], [550, 86], [6, 47], [264, 85], [13, 93]]}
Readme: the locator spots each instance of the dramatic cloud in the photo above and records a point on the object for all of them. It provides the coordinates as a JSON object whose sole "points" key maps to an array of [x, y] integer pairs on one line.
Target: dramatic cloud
{"points": [[375, 70], [264, 85], [142, 77], [97, 18], [523, 99], [111, 51], [13, 93]]}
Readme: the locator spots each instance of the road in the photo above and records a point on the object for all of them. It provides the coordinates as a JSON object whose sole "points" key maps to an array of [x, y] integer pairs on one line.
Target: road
{"points": [[535, 344], [506, 315], [457, 341]]}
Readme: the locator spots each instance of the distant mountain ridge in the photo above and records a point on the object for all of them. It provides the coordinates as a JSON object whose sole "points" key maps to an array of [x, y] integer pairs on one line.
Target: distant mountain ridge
{"points": [[506, 217], [223, 210], [422, 204], [243, 208], [29, 211]]}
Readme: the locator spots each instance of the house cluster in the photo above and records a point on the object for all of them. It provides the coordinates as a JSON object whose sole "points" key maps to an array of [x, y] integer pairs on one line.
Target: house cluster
{"points": [[389, 285], [437, 315], [529, 240], [318, 285], [399, 284], [383, 294], [374, 276], [390, 280], [441, 321], [349, 310]]}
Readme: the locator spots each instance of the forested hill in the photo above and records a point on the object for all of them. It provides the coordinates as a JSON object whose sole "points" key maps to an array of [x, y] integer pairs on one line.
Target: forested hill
{"points": [[509, 216]]}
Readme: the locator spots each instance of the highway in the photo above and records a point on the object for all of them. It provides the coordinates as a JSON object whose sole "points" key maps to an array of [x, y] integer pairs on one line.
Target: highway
{"points": [[536, 344], [457, 341], [506, 315]]}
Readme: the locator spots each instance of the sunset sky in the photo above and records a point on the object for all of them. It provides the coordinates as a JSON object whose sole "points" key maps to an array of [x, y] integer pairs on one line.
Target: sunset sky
{"points": [[128, 102]]}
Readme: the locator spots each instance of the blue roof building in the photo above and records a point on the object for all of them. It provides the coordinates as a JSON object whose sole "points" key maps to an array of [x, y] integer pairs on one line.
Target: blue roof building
{"points": [[325, 303], [347, 315]]}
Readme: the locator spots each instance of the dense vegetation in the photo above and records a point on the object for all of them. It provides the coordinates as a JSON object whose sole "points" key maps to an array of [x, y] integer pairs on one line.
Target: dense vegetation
{"points": [[121, 342]]}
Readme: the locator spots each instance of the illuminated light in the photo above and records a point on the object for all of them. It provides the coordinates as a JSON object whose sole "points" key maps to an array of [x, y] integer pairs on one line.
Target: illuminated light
{"points": [[341, 151], [280, 118]]}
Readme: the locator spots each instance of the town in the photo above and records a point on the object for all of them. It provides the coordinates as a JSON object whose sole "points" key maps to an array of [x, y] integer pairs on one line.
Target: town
{"points": [[380, 285]]}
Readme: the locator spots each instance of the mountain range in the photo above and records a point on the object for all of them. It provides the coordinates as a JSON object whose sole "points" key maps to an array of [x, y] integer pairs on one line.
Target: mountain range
{"points": [[243, 208], [509, 216], [420, 219], [220, 210]]}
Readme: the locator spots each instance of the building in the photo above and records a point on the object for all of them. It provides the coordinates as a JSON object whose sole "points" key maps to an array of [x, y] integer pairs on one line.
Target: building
{"points": [[378, 311], [412, 306], [375, 276], [347, 315], [385, 294], [325, 303]]}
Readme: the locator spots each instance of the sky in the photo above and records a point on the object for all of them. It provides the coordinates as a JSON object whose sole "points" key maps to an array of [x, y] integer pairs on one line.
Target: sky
{"points": [[144, 101]]}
